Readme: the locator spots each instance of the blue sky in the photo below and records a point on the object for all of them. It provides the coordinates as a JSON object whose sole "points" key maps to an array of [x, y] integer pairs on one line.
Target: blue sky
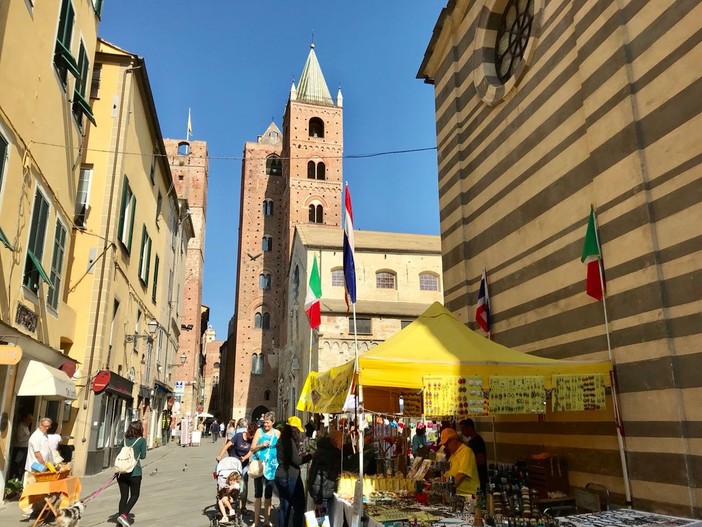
{"points": [[233, 61]]}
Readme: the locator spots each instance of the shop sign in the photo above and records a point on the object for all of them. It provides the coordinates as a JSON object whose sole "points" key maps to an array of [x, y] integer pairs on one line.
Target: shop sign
{"points": [[69, 368], [101, 380], [179, 388], [10, 355]]}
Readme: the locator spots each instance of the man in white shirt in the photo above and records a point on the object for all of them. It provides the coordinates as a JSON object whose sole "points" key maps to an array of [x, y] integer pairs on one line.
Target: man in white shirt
{"points": [[38, 445]]}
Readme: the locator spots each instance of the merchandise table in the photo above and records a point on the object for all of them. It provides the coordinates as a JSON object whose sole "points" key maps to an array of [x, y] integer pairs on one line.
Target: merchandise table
{"points": [[66, 491], [626, 518], [343, 510]]}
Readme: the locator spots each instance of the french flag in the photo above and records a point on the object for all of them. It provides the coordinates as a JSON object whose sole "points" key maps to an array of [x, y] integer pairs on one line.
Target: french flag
{"points": [[349, 264], [482, 310]]}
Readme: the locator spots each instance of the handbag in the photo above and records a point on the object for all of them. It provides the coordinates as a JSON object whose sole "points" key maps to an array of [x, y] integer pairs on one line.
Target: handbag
{"points": [[256, 467]]}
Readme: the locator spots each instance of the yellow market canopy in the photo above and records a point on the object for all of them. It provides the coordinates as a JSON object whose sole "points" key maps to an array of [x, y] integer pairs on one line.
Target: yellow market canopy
{"points": [[437, 343]]}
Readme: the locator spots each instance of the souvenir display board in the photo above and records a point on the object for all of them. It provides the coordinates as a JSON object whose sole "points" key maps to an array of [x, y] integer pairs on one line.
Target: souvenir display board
{"points": [[572, 393], [626, 518], [517, 395], [456, 396]]}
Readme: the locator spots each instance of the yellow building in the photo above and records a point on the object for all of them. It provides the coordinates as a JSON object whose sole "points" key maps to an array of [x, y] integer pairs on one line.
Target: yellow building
{"points": [[128, 260], [45, 71], [398, 276]]}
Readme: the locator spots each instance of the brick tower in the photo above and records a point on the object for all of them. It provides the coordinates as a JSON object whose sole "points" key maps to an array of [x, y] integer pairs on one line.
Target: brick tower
{"points": [[289, 178], [189, 166]]}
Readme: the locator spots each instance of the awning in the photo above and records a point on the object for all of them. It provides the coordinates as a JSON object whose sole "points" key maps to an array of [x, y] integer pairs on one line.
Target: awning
{"points": [[39, 379]]}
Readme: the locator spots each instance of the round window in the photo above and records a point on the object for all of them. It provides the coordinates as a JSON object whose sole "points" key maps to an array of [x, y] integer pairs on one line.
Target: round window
{"points": [[513, 36]]}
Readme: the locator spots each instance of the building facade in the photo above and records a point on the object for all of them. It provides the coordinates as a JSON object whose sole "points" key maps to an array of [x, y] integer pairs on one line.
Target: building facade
{"points": [[212, 400], [398, 277], [44, 116], [189, 165], [128, 260], [287, 178], [587, 104]]}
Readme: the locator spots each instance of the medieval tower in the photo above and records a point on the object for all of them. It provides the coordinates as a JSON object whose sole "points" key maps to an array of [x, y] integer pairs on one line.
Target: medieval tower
{"points": [[286, 178]]}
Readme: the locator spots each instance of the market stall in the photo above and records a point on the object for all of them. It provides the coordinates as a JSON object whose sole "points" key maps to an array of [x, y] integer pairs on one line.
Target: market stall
{"points": [[440, 357]]}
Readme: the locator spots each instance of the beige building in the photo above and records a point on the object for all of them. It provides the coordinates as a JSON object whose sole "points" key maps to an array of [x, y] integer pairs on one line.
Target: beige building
{"points": [[46, 52], [128, 261], [544, 109], [398, 277]]}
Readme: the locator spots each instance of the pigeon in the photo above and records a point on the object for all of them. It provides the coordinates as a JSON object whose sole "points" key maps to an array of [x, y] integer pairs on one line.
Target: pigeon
{"points": [[185, 467], [153, 472]]}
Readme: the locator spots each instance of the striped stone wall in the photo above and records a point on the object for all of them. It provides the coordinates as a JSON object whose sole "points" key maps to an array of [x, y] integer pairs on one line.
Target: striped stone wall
{"points": [[605, 110]]}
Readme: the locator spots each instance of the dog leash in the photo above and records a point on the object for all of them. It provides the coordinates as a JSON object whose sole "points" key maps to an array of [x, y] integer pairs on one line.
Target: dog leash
{"points": [[98, 491]]}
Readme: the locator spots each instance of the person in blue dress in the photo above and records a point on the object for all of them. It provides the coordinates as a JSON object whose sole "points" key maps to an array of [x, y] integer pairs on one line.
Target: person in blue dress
{"points": [[264, 448]]}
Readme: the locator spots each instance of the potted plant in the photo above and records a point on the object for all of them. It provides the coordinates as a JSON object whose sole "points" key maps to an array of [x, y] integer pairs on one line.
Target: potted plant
{"points": [[13, 489]]}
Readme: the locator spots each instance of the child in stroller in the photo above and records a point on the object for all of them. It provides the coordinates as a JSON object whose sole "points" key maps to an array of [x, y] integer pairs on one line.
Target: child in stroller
{"points": [[228, 475]]}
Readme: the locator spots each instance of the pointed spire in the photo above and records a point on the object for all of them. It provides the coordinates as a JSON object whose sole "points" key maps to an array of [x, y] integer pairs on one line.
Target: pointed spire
{"points": [[312, 86], [293, 92], [339, 98]]}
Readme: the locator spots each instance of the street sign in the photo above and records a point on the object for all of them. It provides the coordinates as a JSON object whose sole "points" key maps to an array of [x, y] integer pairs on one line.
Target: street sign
{"points": [[179, 388]]}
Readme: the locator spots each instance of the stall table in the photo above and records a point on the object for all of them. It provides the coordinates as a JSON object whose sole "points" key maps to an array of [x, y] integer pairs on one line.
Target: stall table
{"points": [[626, 518], [61, 493]]}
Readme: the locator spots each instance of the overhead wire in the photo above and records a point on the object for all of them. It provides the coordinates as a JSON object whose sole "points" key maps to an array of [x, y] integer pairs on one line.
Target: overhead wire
{"points": [[241, 158]]}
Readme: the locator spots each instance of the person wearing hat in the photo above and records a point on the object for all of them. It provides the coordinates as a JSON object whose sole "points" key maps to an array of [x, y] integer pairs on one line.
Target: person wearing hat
{"points": [[287, 475], [464, 468]]}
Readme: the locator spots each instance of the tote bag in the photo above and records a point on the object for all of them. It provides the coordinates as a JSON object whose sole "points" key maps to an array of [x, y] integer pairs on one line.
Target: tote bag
{"points": [[256, 468]]}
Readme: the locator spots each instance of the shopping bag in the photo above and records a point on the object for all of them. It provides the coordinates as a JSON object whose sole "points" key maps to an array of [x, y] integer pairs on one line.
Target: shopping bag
{"points": [[311, 520], [255, 468]]}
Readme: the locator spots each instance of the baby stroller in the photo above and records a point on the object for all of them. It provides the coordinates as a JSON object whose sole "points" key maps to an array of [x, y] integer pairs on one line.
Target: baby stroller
{"points": [[222, 471]]}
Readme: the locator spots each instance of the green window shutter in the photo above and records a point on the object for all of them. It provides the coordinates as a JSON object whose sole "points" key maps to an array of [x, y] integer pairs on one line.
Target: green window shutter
{"points": [[3, 157], [37, 265], [123, 210], [131, 224], [97, 4], [5, 240], [141, 253], [82, 106], [64, 59], [148, 259], [155, 286]]}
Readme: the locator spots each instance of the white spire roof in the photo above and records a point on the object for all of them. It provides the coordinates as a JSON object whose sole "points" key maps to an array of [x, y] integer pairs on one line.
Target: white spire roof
{"points": [[312, 87]]}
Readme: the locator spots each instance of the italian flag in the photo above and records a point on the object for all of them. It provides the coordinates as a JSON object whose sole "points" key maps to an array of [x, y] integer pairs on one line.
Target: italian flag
{"points": [[314, 293], [592, 257]]}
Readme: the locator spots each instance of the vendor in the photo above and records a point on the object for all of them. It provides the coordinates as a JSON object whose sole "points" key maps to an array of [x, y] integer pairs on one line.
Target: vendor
{"points": [[420, 438], [464, 467]]}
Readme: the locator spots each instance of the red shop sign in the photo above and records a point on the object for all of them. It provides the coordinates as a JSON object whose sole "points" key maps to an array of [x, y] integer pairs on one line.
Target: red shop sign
{"points": [[101, 380]]}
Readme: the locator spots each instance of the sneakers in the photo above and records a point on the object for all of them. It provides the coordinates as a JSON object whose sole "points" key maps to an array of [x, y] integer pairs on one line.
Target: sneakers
{"points": [[123, 521], [224, 520]]}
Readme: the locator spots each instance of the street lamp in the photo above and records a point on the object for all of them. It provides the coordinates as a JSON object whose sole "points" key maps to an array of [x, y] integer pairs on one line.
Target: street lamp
{"points": [[152, 327], [183, 358]]}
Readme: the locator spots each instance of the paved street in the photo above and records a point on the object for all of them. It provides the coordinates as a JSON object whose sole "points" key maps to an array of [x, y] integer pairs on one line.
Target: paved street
{"points": [[171, 496]]}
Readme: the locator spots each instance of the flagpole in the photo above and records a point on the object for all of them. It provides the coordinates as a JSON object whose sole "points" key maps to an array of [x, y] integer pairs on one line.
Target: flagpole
{"points": [[615, 403], [358, 494], [187, 131], [309, 363]]}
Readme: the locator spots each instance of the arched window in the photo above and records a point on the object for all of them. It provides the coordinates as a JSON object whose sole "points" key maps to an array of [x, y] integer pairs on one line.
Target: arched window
{"points": [[316, 213], [337, 277], [428, 282], [267, 395], [384, 280], [254, 363], [296, 282], [274, 166], [316, 170], [183, 148], [262, 320], [267, 207], [264, 281], [267, 243], [316, 127]]}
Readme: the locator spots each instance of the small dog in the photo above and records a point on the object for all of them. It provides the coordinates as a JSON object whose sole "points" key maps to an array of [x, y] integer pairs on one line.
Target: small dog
{"points": [[70, 516]]}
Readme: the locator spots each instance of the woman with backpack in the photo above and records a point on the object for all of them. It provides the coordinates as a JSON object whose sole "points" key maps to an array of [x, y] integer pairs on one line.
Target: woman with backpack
{"points": [[325, 469], [130, 482]]}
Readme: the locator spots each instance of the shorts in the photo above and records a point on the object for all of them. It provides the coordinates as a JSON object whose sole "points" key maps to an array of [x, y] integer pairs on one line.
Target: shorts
{"points": [[259, 484]]}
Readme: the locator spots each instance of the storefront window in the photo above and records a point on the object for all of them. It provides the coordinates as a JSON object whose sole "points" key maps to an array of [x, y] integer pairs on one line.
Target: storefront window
{"points": [[101, 426]]}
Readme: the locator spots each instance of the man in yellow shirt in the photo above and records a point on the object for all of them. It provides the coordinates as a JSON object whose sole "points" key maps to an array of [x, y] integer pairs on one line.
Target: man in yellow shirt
{"points": [[464, 468]]}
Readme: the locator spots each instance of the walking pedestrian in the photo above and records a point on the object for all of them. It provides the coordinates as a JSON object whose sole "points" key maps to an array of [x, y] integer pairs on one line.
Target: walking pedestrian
{"points": [[214, 430], [239, 446], [264, 449], [222, 429], [325, 469], [287, 475], [130, 482]]}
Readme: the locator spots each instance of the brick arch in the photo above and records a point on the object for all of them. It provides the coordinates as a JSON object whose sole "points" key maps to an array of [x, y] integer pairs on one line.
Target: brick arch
{"points": [[316, 198]]}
